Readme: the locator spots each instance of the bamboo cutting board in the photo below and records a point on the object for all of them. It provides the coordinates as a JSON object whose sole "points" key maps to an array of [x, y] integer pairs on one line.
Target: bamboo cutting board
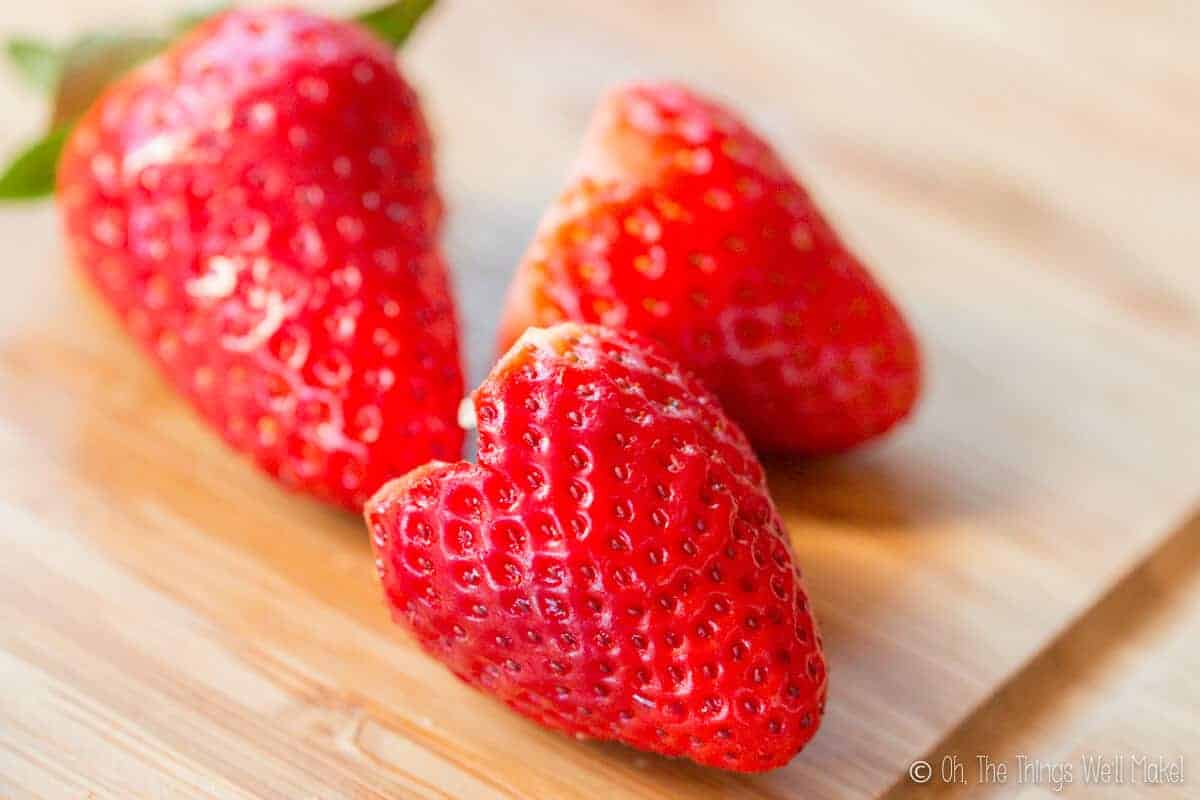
{"points": [[1024, 179]]}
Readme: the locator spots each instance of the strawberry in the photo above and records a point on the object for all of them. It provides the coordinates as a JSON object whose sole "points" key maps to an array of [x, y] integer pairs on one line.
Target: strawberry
{"points": [[684, 225], [613, 566], [258, 205]]}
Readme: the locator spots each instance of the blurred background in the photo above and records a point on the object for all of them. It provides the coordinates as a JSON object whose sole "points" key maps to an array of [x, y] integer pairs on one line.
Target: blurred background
{"points": [[1013, 574]]}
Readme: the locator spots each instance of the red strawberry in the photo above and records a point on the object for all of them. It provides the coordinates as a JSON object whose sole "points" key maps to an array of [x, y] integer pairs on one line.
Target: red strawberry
{"points": [[685, 226], [613, 567], [258, 205]]}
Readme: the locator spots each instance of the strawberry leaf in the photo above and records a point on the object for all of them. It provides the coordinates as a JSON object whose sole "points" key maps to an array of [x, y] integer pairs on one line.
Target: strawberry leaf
{"points": [[31, 173], [190, 19], [38, 63], [94, 62], [395, 21], [79, 73]]}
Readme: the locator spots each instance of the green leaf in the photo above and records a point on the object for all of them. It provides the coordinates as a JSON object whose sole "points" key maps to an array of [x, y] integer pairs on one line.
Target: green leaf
{"points": [[31, 173], [395, 21], [38, 62], [77, 75], [81, 72], [190, 19], [91, 64]]}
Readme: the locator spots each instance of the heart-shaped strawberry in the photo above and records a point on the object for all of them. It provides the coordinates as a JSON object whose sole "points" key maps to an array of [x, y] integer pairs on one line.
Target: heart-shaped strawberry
{"points": [[258, 205], [684, 225], [613, 566]]}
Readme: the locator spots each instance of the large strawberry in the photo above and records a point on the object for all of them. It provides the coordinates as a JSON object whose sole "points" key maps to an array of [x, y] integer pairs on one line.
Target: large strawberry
{"points": [[684, 225], [258, 205], [613, 566]]}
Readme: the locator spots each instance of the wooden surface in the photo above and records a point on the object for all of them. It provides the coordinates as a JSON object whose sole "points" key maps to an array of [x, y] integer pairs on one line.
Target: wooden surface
{"points": [[1125, 679], [1024, 176]]}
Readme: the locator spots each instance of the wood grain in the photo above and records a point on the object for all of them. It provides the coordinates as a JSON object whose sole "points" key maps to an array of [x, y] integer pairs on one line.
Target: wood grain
{"points": [[1025, 179], [1120, 684]]}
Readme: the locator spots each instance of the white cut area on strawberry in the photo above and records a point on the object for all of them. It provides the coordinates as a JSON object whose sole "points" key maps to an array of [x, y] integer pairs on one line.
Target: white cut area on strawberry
{"points": [[466, 414]]}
